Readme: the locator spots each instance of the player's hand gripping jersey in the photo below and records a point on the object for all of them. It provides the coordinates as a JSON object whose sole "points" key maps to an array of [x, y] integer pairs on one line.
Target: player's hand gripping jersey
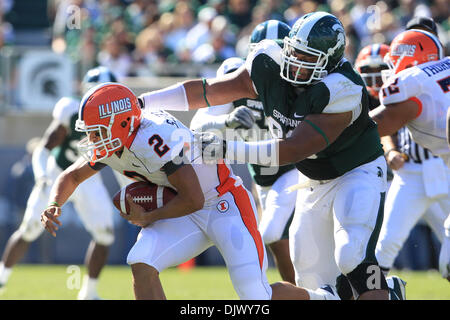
{"points": [[429, 85], [159, 147], [285, 106]]}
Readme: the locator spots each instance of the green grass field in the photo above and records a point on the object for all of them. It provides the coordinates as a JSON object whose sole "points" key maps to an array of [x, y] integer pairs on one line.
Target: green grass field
{"points": [[37, 282]]}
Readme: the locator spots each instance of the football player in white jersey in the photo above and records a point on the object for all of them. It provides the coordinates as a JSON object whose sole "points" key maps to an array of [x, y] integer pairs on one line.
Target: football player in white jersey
{"points": [[56, 152], [416, 94], [246, 116], [211, 207]]}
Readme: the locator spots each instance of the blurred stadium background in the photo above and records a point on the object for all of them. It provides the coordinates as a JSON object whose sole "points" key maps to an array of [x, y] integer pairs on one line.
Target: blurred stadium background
{"points": [[47, 46]]}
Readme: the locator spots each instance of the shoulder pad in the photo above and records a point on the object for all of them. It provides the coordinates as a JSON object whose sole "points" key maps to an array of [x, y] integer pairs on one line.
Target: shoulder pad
{"points": [[229, 65]]}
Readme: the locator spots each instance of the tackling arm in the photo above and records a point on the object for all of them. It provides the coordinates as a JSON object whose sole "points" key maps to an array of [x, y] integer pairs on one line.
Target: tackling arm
{"points": [[311, 136], [195, 94]]}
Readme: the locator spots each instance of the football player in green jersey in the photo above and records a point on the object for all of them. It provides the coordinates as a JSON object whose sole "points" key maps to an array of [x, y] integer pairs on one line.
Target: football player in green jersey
{"points": [[57, 151], [317, 110], [271, 183]]}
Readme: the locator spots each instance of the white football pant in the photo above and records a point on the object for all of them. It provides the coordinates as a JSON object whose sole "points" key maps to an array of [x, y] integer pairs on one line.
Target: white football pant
{"points": [[230, 223], [334, 223]]}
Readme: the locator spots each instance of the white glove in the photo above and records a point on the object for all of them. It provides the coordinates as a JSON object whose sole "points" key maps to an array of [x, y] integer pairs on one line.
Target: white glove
{"points": [[241, 117], [213, 148]]}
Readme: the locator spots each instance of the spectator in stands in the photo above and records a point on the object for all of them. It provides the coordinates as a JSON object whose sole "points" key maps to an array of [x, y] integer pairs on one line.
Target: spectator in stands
{"points": [[115, 57], [183, 20], [238, 14], [200, 33], [218, 48]]}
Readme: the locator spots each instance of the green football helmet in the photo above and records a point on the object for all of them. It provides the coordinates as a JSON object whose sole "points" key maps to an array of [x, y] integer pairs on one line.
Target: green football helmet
{"points": [[318, 34], [270, 29]]}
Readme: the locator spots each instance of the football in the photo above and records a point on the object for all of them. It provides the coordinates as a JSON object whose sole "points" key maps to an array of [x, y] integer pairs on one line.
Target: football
{"points": [[148, 195]]}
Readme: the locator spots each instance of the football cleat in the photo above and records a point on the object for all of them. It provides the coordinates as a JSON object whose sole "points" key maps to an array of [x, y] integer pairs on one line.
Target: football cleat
{"points": [[396, 288]]}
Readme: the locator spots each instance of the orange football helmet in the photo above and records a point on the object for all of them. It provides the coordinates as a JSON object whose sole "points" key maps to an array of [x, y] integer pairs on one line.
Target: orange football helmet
{"points": [[411, 48], [369, 64], [109, 114]]}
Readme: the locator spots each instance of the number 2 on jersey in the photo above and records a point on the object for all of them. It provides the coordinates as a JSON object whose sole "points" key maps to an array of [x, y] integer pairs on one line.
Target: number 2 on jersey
{"points": [[159, 148]]}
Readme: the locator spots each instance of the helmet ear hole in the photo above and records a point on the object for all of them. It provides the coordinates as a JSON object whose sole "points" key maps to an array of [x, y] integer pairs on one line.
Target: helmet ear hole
{"points": [[123, 124]]}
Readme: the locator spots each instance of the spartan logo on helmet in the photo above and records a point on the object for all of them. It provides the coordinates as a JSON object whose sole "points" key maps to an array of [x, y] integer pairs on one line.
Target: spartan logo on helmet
{"points": [[317, 34]]}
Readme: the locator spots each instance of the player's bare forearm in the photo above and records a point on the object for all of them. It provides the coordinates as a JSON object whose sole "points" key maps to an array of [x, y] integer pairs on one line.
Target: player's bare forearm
{"points": [[68, 181], [222, 90], [392, 117], [189, 196], [389, 142], [307, 140]]}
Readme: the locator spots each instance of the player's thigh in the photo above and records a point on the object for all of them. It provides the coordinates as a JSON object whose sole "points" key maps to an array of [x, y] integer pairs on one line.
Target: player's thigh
{"points": [[358, 212], [279, 207], [168, 242], [311, 242], [234, 232]]}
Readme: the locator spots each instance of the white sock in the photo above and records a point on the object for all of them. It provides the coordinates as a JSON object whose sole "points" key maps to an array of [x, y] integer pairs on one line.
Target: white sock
{"points": [[4, 274], [89, 286]]}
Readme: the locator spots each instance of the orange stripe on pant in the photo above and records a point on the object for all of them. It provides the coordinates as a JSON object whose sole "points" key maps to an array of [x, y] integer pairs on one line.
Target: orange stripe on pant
{"points": [[244, 205]]}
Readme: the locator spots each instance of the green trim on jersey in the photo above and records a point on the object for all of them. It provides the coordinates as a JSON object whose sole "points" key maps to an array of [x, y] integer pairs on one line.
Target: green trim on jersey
{"points": [[67, 152], [285, 106]]}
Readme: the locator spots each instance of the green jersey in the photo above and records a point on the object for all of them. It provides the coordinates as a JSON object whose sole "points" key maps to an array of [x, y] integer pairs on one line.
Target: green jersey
{"points": [[285, 106], [262, 175], [66, 112]]}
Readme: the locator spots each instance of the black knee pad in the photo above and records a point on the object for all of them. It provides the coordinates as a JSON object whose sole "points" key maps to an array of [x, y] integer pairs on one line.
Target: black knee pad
{"points": [[366, 277], [343, 288]]}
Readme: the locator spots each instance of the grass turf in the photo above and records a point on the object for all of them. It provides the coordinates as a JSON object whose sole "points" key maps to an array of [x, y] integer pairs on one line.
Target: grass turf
{"points": [[59, 282]]}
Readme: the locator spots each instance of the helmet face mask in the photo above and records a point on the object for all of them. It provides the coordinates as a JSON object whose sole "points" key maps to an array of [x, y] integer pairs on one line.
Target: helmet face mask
{"points": [[109, 114], [292, 67], [319, 35], [370, 64]]}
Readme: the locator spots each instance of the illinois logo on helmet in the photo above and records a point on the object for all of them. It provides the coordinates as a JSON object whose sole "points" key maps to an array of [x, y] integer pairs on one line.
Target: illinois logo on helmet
{"points": [[411, 48], [370, 63], [109, 114]]}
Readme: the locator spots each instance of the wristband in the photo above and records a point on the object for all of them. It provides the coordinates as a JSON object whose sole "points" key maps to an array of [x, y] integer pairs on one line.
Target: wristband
{"points": [[204, 92], [318, 130], [53, 204]]}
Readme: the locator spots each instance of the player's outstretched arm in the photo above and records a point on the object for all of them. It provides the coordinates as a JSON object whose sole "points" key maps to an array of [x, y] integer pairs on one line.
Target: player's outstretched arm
{"points": [[62, 189], [201, 93], [314, 134], [392, 117], [189, 199]]}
